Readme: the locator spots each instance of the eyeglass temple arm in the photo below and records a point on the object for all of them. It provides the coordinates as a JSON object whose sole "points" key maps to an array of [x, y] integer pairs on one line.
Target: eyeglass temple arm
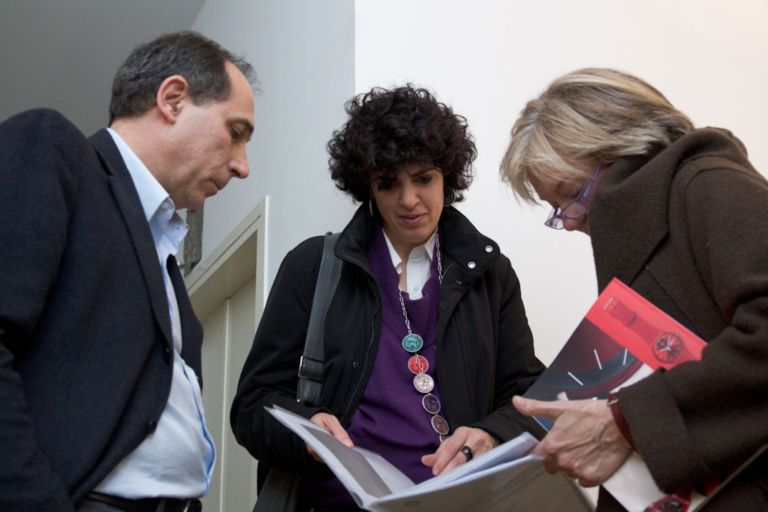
{"points": [[591, 182]]}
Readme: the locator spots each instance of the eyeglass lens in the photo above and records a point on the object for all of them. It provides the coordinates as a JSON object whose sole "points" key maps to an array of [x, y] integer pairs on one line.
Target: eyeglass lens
{"points": [[577, 208]]}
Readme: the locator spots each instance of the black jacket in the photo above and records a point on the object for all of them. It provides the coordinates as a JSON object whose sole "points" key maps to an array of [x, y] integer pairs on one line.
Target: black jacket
{"points": [[85, 336], [485, 352]]}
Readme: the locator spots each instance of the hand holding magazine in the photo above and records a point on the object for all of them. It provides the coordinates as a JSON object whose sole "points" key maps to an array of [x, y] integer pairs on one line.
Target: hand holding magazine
{"points": [[505, 479], [622, 339]]}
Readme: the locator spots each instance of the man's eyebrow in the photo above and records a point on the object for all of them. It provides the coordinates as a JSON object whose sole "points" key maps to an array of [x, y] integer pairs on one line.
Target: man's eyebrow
{"points": [[244, 124]]}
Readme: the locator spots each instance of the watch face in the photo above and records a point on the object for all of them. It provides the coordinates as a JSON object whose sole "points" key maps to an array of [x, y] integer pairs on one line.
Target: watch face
{"points": [[611, 369], [590, 366], [668, 504], [667, 347]]}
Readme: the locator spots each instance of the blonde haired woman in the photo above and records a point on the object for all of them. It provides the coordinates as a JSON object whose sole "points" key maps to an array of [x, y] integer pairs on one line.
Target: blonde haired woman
{"points": [[678, 214]]}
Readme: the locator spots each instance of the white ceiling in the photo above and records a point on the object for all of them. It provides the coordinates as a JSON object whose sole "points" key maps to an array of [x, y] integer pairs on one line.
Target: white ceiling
{"points": [[64, 53]]}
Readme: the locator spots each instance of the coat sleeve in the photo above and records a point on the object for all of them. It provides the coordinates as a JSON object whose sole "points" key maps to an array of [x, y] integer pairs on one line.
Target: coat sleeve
{"points": [[269, 376], [38, 161], [710, 416], [517, 366]]}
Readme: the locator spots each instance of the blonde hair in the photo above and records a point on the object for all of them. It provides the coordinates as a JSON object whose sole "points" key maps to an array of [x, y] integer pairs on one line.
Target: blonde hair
{"points": [[587, 117]]}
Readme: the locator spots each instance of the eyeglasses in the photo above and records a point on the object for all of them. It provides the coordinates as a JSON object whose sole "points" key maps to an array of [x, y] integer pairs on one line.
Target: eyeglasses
{"points": [[579, 207]]}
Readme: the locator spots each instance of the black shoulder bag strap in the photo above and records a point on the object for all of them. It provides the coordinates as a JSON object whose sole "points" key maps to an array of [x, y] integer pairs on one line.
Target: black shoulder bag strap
{"points": [[313, 360], [281, 489]]}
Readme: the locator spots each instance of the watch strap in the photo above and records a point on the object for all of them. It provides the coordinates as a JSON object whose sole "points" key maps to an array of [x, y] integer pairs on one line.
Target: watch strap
{"points": [[619, 311], [631, 320]]}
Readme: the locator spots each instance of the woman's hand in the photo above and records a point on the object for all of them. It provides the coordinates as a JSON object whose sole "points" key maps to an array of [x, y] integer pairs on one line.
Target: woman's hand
{"points": [[584, 442], [449, 454], [330, 424]]}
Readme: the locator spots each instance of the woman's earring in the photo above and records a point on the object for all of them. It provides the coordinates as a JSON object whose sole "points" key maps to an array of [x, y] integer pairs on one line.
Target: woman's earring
{"points": [[372, 208]]}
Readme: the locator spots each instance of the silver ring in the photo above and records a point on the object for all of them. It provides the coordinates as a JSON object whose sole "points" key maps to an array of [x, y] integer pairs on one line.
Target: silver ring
{"points": [[467, 451]]}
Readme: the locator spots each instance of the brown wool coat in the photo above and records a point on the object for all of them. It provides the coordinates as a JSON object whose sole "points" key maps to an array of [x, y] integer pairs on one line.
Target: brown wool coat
{"points": [[688, 229]]}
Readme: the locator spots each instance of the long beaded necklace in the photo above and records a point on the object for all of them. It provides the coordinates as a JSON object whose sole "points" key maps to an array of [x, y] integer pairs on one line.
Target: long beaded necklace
{"points": [[418, 364]]}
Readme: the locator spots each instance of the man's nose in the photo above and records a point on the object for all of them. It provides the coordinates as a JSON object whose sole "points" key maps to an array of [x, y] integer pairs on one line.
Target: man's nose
{"points": [[239, 164]]}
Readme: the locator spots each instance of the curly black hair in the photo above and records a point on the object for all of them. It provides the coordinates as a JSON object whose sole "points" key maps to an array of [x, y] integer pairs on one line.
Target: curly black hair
{"points": [[390, 128]]}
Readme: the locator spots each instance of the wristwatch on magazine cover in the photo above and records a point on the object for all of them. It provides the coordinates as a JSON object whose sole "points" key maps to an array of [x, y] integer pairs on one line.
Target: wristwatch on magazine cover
{"points": [[598, 381], [669, 504], [595, 365], [666, 346]]}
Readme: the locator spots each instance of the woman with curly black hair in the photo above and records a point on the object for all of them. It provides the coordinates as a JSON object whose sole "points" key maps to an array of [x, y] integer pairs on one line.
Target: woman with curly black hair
{"points": [[426, 338]]}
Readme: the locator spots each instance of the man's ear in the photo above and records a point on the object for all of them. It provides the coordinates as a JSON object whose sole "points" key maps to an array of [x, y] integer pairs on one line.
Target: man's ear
{"points": [[171, 96]]}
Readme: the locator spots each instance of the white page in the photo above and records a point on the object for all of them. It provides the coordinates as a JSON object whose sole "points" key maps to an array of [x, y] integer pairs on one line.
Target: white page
{"points": [[365, 474], [515, 486], [504, 479], [512, 450]]}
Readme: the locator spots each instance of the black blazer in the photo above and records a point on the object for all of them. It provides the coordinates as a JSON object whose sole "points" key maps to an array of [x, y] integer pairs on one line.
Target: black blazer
{"points": [[85, 337]]}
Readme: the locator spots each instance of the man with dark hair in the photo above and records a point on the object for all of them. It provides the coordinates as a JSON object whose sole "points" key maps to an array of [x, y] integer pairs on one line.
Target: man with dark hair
{"points": [[199, 60], [100, 377]]}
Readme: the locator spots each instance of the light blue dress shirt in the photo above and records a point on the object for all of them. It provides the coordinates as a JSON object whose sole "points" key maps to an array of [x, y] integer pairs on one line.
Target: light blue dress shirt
{"points": [[177, 459]]}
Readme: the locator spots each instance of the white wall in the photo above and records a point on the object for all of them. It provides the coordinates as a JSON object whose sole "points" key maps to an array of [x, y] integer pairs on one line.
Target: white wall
{"points": [[302, 51], [487, 58]]}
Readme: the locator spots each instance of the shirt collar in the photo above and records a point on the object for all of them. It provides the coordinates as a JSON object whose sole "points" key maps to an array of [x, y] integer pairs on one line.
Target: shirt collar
{"points": [[157, 204], [427, 248], [151, 193]]}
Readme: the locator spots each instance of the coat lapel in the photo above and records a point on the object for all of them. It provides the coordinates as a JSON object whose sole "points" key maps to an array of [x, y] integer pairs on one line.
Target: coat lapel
{"points": [[628, 219], [191, 330], [130, 206]]}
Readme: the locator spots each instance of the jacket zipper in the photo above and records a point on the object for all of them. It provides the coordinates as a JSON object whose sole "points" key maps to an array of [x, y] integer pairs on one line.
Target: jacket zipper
{"points": [[442, 326]]}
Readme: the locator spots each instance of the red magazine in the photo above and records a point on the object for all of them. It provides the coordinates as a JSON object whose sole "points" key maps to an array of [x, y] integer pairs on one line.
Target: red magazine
{"points": [[622, 339]]}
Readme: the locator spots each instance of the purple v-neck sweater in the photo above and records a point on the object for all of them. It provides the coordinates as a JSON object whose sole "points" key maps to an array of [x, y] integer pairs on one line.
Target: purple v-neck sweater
{"points": [[390, 419]]}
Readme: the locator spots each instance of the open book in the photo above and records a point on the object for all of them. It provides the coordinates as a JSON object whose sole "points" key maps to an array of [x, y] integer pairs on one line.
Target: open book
{"points": [[622, 339], [505, 479]]}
